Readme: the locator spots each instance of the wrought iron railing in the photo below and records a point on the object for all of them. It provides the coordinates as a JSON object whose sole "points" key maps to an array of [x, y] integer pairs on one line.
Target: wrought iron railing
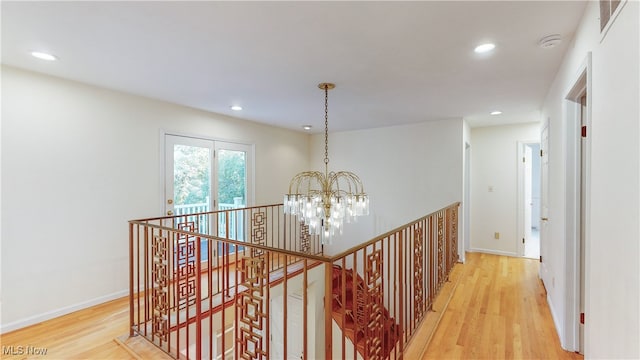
{"points": [[272, 293]]}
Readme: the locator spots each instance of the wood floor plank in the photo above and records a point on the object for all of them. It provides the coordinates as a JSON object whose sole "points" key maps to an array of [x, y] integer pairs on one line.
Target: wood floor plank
{"points": [[498, 311]]}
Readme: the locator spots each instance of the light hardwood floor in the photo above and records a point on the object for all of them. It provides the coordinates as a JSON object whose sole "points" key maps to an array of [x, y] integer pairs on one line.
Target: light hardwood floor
{"points": [[85, 334], [498, 311]]}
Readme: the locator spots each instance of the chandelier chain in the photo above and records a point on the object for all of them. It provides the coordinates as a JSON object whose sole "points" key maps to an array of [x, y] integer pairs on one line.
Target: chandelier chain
{"points": [[326, 125]]}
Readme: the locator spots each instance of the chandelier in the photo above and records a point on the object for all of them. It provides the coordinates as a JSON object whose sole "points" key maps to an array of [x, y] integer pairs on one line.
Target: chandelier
{"points": [[324, 201]]}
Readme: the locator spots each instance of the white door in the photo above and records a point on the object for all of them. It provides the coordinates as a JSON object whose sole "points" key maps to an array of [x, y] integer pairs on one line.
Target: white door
{"points": [[232, 184], [188, 169], [203, 175], [294, 328], [527, 201], [544, 189]]}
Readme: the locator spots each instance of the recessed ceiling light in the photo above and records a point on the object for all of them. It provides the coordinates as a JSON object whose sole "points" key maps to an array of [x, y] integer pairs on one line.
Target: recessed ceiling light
{"points": [[43, 56], [484, 48], [307, 127], [236, 108], [496, 112]]}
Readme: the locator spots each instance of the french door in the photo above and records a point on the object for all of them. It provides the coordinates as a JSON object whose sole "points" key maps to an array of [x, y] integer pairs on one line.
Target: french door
{"points": [[203, 175]]}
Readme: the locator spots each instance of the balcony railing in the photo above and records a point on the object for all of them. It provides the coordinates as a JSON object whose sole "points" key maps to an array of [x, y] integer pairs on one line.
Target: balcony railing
{"points": [[235, 232], [272, 294], [381, 290]]}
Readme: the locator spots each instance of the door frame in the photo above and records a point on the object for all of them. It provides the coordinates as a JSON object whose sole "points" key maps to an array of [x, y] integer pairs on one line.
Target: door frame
{"points": [[169, 181], [215, 142], [162, 167], [573, 109], [466, 201], [522, 144]]}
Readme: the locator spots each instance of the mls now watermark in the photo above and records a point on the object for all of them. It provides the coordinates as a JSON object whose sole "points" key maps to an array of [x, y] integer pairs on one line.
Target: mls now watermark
{"points": [[24, 350]]}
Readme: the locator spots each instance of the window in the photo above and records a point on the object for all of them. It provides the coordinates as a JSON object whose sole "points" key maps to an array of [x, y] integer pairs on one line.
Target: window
{"points": [[608, 11]]}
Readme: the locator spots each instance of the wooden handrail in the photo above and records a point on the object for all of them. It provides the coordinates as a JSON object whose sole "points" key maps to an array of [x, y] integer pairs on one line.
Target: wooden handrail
{"points": [[166, 217], [235, 242], [331, 259], [311, 257], [388, 233]]}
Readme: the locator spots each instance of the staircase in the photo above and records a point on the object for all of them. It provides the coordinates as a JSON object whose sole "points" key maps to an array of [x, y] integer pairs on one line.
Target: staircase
{"points": [[356, 318]]}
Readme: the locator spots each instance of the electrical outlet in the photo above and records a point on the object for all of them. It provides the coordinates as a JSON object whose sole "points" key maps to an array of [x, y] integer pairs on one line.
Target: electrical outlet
{"points": [[553, 282], [496, 235]]}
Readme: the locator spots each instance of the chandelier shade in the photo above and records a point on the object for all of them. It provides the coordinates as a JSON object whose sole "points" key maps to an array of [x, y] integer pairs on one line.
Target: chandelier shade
{"points": [[324, 201]]}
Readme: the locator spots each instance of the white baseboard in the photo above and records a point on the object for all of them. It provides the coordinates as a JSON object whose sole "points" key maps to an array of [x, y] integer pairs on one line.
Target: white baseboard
{"points": [[19, 324], [493, 252], [543, 274], [556, 321]]}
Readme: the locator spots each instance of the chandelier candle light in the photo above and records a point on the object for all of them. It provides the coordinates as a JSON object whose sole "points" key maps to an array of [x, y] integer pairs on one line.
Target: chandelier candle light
{"points": [[323, 201]]}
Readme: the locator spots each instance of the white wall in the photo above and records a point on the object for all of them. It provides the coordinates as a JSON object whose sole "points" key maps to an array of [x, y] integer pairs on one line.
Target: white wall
{"points": [[465, 208], [78, 162], [612, 314], [494, 164], [408, 171]]}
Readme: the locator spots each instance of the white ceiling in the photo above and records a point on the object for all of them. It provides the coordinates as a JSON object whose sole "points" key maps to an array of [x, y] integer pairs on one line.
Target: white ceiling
{"points": [[393, 62]]}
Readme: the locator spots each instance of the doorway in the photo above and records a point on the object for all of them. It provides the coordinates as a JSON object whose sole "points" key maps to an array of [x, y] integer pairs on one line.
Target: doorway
{"points": [[529, 198], [583, 219], [466, 200], [294, 327], [578, 144], [203, 175]]}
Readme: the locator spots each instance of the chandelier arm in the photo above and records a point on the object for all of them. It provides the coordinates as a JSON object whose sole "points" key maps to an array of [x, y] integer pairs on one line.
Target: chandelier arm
{"points": [[339, 192], [298, 179], [353, 181], [334, 184], [359, 187], [331, 179], [308, 181], [292, 185], [295, 184], [349, 182]]}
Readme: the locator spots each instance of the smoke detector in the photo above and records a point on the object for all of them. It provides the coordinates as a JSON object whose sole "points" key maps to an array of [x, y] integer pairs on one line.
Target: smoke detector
{"points": [[550, 41]]}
